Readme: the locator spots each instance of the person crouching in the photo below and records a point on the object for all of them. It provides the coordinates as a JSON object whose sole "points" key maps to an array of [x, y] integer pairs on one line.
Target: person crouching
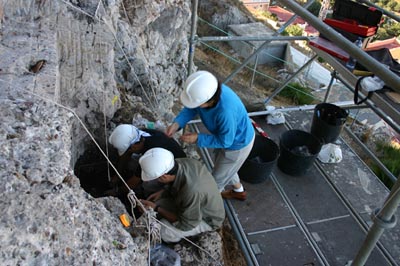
{"points": [[191, 203]]}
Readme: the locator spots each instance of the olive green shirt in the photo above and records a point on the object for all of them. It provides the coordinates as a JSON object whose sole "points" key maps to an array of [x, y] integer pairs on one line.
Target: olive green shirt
{"points": [[195, 196]]}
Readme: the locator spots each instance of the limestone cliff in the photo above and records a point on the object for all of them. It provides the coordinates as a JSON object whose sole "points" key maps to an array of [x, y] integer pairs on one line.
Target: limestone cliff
{"points": [[63, 67], [70, 70]]}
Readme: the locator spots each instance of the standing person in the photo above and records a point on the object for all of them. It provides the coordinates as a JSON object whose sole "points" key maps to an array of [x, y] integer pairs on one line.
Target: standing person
{"points": [[231, 132], [191, 203], [131, 143]]}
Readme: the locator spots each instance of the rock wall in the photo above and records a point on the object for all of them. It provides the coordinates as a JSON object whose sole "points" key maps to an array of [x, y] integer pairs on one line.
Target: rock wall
{"points": [[64, 70]]}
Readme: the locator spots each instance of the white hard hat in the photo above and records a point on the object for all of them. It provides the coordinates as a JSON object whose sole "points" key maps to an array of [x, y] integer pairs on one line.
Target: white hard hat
{"points": [[123, 137], [198, 89], [155, 163]]}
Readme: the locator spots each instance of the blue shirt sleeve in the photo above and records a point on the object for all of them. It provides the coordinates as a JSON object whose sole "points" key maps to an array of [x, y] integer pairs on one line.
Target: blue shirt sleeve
{"points": [[185, 115]]}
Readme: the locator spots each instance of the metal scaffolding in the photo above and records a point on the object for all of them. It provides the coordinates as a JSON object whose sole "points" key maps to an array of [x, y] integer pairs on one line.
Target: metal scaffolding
{"points": [[383, 218]]}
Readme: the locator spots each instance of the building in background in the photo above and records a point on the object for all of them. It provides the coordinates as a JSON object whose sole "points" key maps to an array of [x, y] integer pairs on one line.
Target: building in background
{"points": [[392, 44], [258, 5], [284, 15]]}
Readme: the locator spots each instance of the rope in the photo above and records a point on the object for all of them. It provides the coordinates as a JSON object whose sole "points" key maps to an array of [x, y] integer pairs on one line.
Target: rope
{"points": [[153, 230], [105, 119], [126, 14], [133, 200], [131, 194], [97, 9], [120, 47], [153, 233], [189, 241]]}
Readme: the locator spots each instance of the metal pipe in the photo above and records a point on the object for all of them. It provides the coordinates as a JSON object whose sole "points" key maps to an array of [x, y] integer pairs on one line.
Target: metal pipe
{"points": [[238, 235], [299, 222], [353, 212], [253, 38], [380, 70], [378, 111], [371, 155], [192, 40], [290, 79], [254, 72], [236, 227], [384, 219], [328, 90], [279, 31], [346, 104]]}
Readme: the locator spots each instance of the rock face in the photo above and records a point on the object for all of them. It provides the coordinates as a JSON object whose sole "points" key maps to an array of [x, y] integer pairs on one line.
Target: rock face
{"points": [[66, 67]]}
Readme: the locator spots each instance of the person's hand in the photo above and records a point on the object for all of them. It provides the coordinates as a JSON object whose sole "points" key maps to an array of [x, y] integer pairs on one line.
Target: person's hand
{"points": [[171, 129], [147, 204], [189, 138], [155, 196]]}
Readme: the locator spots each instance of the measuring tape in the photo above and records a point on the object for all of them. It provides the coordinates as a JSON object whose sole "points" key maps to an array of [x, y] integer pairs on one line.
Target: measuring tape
{"points": [[259, 129]]}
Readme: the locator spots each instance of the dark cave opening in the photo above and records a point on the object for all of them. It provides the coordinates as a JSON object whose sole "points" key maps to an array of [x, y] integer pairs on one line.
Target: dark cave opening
{"points": [[94, 172], [99, 179]]}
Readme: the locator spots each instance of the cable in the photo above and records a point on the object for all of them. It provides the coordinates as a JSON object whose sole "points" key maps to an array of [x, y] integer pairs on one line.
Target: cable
{"points": [[120, 46]]}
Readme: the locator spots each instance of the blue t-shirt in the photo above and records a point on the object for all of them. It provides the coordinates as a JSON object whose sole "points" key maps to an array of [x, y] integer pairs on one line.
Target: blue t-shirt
{"points": [[228, 122]]}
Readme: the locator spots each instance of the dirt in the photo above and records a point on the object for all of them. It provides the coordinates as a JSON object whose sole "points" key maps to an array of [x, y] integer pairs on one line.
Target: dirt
{"points": [[232, 253], [252, 94]]}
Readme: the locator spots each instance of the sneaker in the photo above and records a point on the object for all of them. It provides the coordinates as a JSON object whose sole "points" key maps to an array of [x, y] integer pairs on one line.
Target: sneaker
{"points": [[231, 194]]}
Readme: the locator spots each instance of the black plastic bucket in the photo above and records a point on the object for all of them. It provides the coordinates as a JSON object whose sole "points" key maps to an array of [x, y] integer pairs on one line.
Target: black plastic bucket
{"points": [[298, 151], [328, 121], [260, 162]]}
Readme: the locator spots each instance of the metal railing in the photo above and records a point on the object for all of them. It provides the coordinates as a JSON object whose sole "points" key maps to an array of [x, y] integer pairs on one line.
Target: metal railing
{"points": [[384, 218]]}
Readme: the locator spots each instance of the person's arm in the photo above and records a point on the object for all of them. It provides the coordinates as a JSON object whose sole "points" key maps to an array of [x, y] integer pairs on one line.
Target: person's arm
{"points": [[171, 217], [185, 116], [155, 196]]}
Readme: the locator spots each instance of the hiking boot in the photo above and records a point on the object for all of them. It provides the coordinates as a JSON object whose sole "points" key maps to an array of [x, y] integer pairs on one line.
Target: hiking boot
{"points": [[231, 194]]}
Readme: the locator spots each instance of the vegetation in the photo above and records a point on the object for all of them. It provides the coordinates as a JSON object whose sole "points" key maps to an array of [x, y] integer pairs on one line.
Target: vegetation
{"points": [[315, 8], [293, 30], [391, 5], [389, 29], [267, 14], [390, 157], [298, 94]]}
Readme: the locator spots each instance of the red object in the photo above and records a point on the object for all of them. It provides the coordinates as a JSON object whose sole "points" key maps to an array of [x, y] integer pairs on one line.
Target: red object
{"points": [[259, 129], [352, 26], [329, 47]]}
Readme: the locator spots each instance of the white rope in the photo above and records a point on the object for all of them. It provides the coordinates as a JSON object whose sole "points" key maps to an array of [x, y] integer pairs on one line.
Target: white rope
{"points": [[131, 194], [126, 57], [153, 231], [126, 14], [132, 199], [190, 241], [105, 117], [123, 52], [82, 124], [97, 8]]}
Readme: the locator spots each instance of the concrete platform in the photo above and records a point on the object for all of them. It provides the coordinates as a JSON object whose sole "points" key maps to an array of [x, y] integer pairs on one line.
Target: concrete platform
{"points": [[273, 55], [320, 218]]}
